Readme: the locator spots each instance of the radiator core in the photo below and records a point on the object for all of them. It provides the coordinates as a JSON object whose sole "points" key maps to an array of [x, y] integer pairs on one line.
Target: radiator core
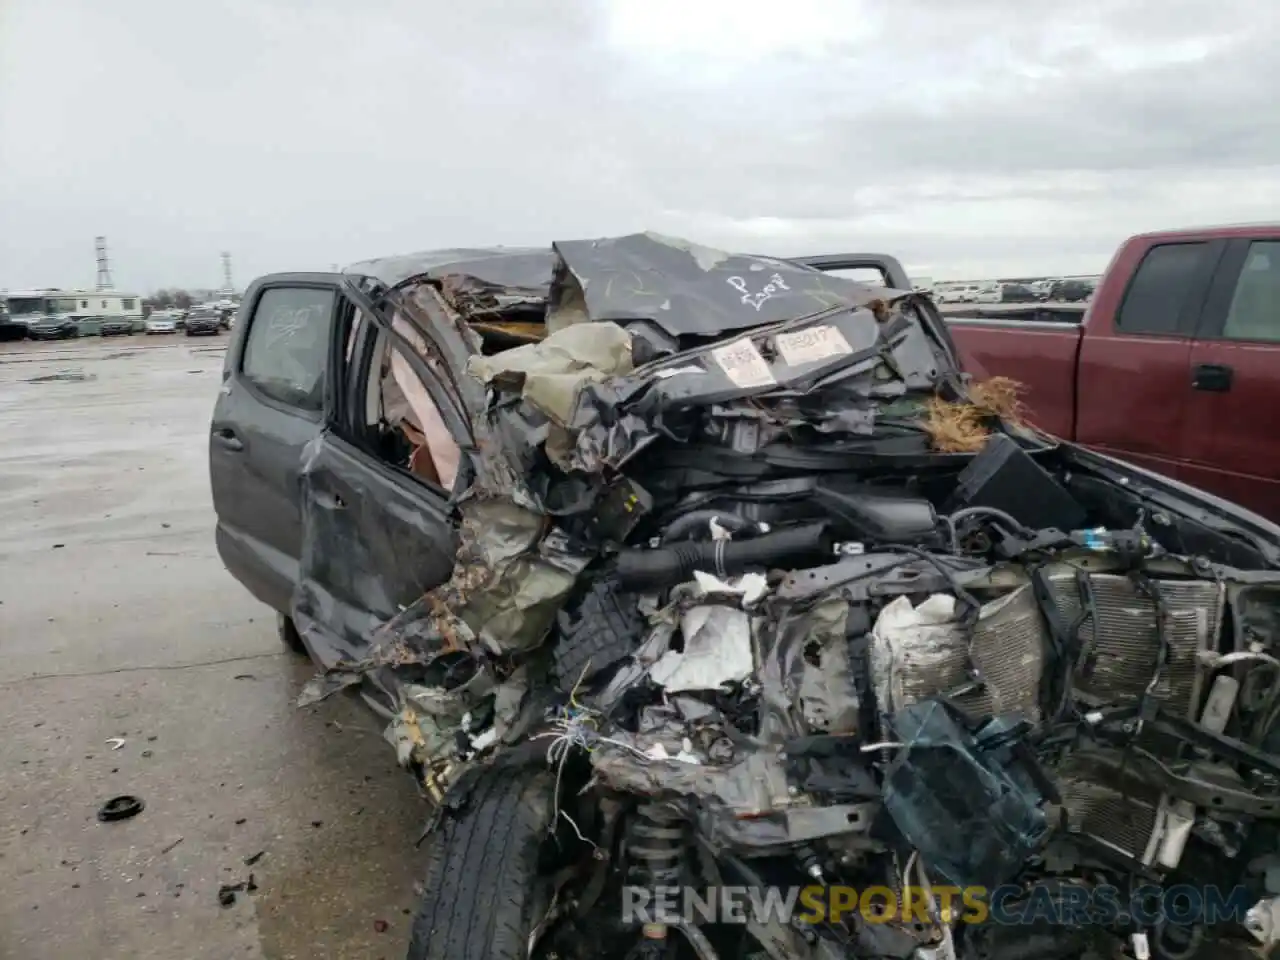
{"points": [[1121, 645]]}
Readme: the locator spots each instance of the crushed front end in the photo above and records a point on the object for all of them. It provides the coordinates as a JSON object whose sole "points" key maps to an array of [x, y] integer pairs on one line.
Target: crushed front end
{"points": [[791, 603]]}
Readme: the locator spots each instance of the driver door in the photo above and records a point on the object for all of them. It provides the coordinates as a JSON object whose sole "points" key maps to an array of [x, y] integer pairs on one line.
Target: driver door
{"points": [[378, 527]]}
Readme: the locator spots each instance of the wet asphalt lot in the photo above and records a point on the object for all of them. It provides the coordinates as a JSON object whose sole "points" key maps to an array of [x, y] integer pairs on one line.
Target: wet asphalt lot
{"points": [[117, 620]]}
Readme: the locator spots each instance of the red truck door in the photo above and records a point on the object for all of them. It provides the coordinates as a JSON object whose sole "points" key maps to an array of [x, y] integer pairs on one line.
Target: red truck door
{"points": [[1132, 393], [1231, 444]]}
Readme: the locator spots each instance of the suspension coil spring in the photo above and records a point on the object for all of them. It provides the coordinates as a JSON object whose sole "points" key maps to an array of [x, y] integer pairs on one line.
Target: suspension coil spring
{"points": [[656, 847]]}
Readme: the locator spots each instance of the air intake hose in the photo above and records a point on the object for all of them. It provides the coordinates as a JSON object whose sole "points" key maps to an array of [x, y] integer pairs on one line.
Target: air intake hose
{"points": [[640, 569]]}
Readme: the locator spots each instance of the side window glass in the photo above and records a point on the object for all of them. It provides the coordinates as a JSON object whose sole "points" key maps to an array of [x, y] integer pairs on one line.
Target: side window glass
{"points": [[1159, 290], [288, 344], [1255, 306]]}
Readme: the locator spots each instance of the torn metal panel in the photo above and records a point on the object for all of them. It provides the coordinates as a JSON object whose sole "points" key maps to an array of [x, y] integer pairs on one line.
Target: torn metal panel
{"points": [[828, 698], [688, 290], [805, 682], [550, 374], [502, 268], [745, 805], [513, 574], [616, 419], [362, 560]]}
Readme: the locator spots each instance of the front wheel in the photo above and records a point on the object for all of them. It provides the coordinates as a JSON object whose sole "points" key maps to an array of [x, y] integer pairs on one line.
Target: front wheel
{"points": [[484, 892]]}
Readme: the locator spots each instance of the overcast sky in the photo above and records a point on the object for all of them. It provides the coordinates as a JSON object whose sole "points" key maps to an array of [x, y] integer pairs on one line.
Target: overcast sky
{"points": [[970, 137]]}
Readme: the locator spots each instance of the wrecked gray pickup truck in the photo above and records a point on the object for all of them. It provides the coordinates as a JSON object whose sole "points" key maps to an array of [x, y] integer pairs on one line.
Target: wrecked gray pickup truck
{"points": [[692, 583]]}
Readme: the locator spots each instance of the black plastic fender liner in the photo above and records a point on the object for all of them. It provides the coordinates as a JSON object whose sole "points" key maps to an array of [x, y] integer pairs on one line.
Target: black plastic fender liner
{"points": [[641, 569], [605, 627]]}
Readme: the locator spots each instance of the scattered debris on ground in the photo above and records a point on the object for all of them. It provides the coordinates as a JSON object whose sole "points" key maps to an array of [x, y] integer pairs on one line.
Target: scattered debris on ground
{"points": [[120, 808], [227, 892]]}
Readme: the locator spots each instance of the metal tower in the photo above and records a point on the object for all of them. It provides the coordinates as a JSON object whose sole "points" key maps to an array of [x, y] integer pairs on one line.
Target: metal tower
{"points": [[227, 287], [104, 269]]}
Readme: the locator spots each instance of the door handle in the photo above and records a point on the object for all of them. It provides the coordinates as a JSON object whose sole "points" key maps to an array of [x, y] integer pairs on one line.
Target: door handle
{"points": [[1214, 377], [227, 437]]}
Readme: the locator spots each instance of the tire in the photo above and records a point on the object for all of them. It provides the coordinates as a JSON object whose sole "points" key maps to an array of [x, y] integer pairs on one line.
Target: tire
{"points": [[289, 635], [605, 627], [482, 895]]}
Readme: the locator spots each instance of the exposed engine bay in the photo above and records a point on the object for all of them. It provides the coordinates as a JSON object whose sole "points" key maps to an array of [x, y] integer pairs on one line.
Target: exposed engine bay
{"points": [[783, 600]]}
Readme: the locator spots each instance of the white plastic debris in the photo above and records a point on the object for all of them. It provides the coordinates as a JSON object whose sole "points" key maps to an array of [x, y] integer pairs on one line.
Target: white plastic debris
{"points": [[1263, 921], [115, 742], [686, 754], [907, 638], [717, 650], [751, 587], [485, 740]]}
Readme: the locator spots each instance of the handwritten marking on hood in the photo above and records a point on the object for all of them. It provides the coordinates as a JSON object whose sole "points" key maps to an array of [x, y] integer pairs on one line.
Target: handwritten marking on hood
{"points": [[757, 299]]}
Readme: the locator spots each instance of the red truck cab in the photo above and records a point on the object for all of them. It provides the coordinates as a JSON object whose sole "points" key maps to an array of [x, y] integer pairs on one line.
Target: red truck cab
{"points": [[1173, 365]]}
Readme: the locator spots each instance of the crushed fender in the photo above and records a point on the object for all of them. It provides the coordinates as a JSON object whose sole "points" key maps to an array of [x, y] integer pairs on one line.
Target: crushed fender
{"points": [[860, 624]]}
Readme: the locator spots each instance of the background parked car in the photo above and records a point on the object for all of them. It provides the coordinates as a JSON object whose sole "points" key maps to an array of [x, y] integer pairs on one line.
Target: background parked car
{"points": [[1042, 289], [204, 322], [1071, 291], [117, 327], [54, 328], [12, 328], [161, 324], [1017, 293]]}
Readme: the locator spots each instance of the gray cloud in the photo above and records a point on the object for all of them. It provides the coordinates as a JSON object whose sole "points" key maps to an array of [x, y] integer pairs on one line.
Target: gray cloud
{"points": [[993, 135]]}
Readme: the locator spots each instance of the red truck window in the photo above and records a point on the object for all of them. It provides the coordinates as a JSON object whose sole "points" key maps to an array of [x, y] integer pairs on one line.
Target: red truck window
{"points": [[1254, 313], [1161, 289]]}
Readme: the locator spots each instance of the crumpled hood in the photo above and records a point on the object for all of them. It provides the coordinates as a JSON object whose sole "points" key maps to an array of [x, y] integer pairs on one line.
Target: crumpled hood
{"points": [[688, 290]]}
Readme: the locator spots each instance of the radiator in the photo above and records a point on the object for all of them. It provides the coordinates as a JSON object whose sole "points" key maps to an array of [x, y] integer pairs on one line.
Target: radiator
{"points": [[1119, 664], [1096, 806], [915, 659]]}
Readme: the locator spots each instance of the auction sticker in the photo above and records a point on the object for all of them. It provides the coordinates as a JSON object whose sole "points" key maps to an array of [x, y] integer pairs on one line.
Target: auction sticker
{"points": [[742, 364], [812, 345]]}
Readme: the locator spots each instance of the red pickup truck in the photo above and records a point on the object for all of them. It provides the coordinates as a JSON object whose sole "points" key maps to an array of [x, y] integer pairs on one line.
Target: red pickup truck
{"points": [[1174, 365]]}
